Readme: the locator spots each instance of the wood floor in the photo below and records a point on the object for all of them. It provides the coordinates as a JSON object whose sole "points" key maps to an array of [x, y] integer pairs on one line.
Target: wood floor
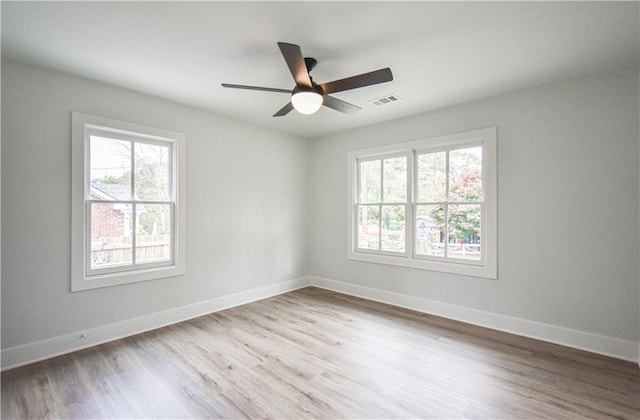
{"points": [[319, 354]]}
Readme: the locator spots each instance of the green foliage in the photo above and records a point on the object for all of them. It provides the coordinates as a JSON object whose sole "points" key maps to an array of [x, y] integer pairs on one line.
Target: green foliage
{"points": [[155, 220], [464, 220]]}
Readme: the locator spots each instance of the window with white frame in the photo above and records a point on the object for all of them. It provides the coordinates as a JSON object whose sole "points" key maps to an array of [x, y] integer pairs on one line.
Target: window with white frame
{"points": [[428, 204], [127, 202], [382, 204]]}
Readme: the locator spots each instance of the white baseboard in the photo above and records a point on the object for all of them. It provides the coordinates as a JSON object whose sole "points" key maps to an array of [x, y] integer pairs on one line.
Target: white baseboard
{"points": [[21, 355], [28, 353], [609, 346]]}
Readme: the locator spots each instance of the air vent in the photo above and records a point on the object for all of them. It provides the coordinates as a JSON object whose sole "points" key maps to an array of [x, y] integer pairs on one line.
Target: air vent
{"points": [[389, 99]]}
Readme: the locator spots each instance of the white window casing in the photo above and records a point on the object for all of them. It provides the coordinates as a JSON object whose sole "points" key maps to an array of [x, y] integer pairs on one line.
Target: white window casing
{"points": [[486, 264], [83, 197]]}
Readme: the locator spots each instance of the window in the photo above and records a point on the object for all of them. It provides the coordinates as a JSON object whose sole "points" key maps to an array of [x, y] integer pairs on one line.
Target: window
{"points": [[428, 204], [382, 204], [449, 203], [127, 203]]}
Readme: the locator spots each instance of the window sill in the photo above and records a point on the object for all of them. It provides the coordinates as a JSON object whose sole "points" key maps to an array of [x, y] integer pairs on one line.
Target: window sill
{"points": [[113, 279], [474, 270]]}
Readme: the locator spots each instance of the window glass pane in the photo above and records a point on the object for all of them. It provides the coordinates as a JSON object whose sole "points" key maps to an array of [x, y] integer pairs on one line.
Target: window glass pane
{"points": [[393, 228], [153, 236], [465, 174], [151, 180], [432, 177], [369, 227], [111, 227], [464, 231], [430, 227], [395, 180], [110, 168], [370, 181]]}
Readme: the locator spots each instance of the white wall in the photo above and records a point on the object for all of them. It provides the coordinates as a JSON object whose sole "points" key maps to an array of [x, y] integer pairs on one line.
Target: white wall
{"points": [[247, 206], [567, 206]]}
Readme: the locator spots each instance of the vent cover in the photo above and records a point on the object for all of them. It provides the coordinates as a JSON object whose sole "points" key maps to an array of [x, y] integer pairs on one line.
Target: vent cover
{"points": [[391, 98]]}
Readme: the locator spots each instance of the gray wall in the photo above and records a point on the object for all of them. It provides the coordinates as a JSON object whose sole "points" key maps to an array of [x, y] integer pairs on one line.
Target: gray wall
{"points": [[567, 206], [258, 200], [247, 206]]}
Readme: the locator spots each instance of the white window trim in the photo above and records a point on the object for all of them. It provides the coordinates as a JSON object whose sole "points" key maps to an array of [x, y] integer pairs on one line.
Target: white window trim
{"points": [[488, 267], [80, 280]]}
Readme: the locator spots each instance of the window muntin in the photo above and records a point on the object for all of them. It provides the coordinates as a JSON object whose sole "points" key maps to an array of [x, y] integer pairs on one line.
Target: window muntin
{"points": [[450, 204], [128, 218], [382, 204]]}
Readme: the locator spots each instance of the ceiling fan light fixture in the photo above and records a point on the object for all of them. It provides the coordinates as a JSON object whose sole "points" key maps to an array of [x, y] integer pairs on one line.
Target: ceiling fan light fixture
{"points": [[306, 102], [307, 96]]}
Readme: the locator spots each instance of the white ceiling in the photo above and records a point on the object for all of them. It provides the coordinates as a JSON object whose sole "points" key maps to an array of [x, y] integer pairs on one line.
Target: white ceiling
{"points": [[441, 53]]}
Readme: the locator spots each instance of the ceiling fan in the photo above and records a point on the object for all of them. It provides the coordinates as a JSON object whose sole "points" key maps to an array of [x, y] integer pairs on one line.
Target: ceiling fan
{"points": [[307, 96]]}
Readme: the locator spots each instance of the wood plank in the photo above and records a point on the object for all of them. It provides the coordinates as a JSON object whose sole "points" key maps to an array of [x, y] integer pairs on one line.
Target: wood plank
{"points": [[313, 353]]}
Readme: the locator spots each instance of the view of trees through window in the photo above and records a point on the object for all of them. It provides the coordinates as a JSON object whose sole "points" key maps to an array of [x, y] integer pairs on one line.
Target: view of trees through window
{"points": [[447, 203], [130, 192]]}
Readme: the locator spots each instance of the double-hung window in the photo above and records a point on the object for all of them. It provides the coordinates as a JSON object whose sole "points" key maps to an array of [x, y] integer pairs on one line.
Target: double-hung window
{"points": [[382, 204], [428, 204], [128, 203]]}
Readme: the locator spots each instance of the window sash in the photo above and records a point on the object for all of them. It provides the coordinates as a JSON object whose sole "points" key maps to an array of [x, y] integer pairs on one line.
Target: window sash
{"points": [[379, 250], [382, 158], [134, 264], [447, 257], [133, 138], [358, 203], [447, 203]]}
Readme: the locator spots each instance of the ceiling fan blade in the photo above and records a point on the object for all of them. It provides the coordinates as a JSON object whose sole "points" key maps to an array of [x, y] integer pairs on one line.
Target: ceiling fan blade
{"points": [[293, 56], [339, 105], [361, 80], [266, 89], [284, 110]]}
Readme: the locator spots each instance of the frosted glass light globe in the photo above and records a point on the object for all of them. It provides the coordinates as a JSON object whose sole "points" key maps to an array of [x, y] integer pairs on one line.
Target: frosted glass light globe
{"points": [[306, 102]]}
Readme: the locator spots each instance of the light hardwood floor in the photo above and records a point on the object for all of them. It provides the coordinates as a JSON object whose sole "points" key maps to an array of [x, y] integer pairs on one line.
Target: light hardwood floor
{"points": [[319, 354]]}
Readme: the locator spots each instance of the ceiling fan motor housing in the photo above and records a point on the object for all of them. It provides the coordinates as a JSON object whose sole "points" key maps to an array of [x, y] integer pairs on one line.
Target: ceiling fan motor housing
{"points": [[315, 89], [310, 62]]}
